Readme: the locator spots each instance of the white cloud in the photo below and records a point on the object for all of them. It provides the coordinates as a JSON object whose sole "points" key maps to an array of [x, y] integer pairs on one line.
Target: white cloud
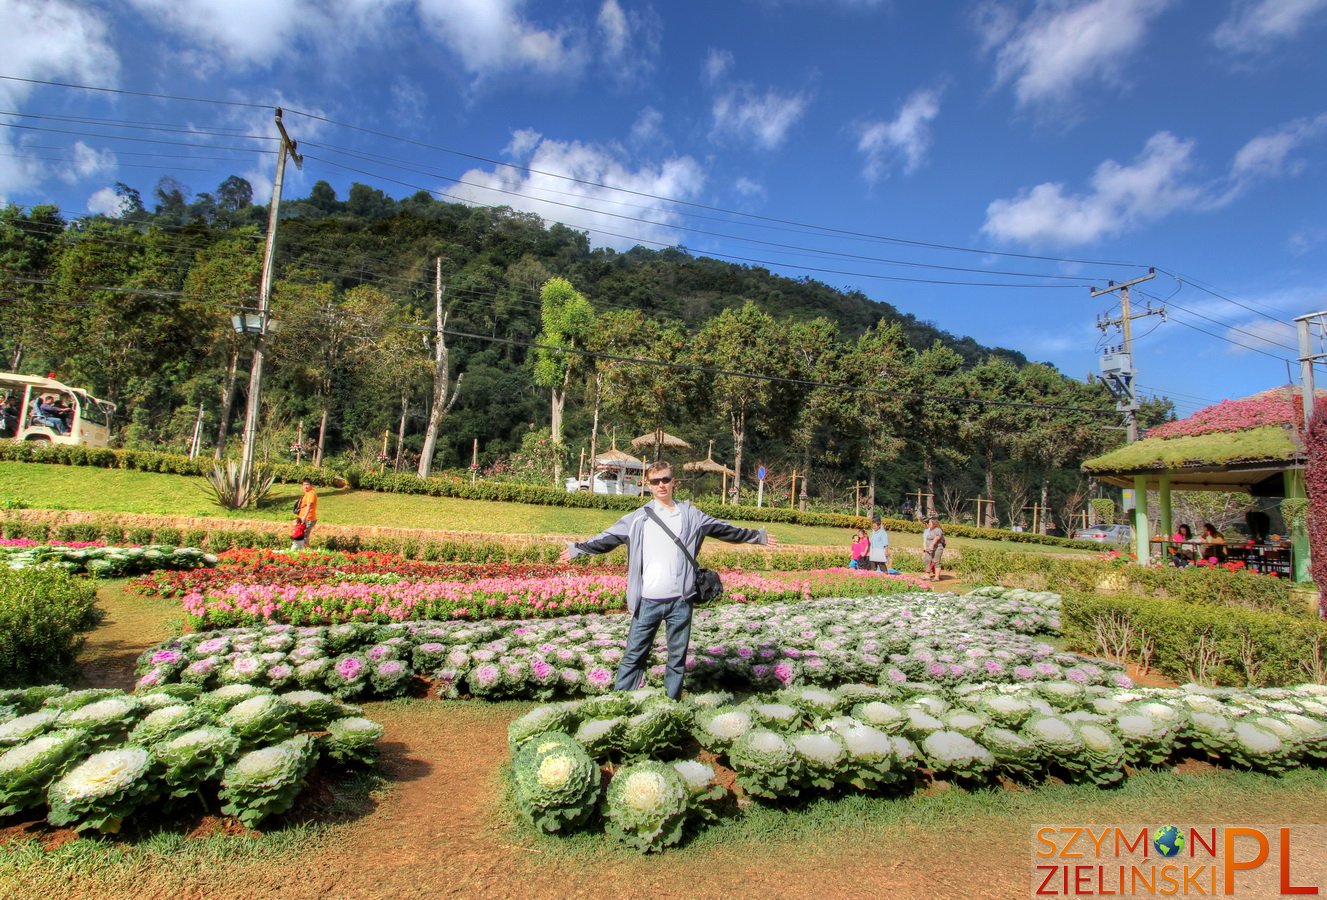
{"points": [[1306, 239], [106, 202], [492, 37], [89, 162], [1064, 44], [648, 126], [257, 33], [764, 119], [583, 204], [1120, 196], [1158, 183], [907, 137], [523, 141], [718, 63], [409, 100], [1254, 26], [628, 42], [49, 40], [751, 190]]}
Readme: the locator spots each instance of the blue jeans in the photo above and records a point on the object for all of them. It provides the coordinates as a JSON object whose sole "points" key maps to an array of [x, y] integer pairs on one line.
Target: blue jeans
{"points": [[640, 641]]}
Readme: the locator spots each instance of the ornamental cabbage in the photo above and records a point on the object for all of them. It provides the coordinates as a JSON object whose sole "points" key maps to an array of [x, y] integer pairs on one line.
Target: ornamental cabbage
{"points": [[821, 755], [1015, 755], [710, 699], [658, 728], [1147, 741], [766, 764], [869, 764], [102, 719], [353, 739], [952, 753], [266, 781], [103, 789], [390, 677], [646, 806], [348, 675], [717, 729], [29, 699], [540, 720], [1102, 759], [74, 699], [703, 792], [223, 698], [262, 719], [557, 784], [24, 728], [1055, 738], [165, 722], [26, 770], [1256, 747], [607, 706], [813, 700], [600, 737], [1063, 695], [778, 716], [195, 757], [965, 721], [880, 714], [314, 709]]}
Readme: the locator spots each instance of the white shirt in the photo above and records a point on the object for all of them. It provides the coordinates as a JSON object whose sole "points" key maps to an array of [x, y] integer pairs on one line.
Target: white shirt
{"points": [[663, 564]]}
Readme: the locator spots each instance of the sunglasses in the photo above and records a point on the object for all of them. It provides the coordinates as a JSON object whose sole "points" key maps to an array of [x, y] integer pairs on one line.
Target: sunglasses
{"points": [[667, 479]]}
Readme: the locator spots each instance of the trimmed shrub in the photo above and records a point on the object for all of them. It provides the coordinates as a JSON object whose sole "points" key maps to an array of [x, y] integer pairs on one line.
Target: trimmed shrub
{"points": [[1209, 585], [1204, 644], [44, 614]]}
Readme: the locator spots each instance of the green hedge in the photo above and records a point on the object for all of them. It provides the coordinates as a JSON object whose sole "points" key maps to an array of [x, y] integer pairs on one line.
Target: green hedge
{"points": [[1204, 644], [150, 461], [44, 614], [395, 483], [1213, 586]]}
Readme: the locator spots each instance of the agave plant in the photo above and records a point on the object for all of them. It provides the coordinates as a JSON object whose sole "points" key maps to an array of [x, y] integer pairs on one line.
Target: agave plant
{"points": [[226, 486]]}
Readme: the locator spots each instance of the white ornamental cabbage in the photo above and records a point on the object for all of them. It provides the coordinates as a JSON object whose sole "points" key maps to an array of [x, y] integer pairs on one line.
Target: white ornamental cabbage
{"points": [[557, 784], [1006, 710], [921, 723], [1259, 748], [1054, 736], [260, 719], [695, 774], [315, 709], [103, 789], [766, 764], [719, 728], [164, 722], [822, 755], [646, 806], [1102, 758], [540, 720], [881, 715], [1014, 754], [930, 703], [780, 716], [195, 757], [27, 769], [266, 781], [24, 728], [1146, 740], [952, 753], [600, 736], [353, 739], [111, 716], [710, 699], [816, 701], [965, 721]]}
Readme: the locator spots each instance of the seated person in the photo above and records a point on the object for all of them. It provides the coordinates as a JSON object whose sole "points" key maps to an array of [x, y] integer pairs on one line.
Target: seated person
{"points": [[1183, 540], [1260, 524], [1214, 543], [50, 415]]}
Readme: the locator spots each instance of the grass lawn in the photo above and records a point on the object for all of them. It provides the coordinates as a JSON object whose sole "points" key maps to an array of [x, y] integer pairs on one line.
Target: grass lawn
{"points": [[42, 486]]}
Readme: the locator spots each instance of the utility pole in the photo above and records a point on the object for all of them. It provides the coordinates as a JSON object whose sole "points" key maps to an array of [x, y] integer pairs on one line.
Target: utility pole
{"points": [[1117, 371], [264, 297], [1306, 325]]}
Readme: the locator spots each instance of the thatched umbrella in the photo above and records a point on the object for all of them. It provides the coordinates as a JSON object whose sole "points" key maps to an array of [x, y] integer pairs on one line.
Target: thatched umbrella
{"points": [[659, 439], [708, 466]]}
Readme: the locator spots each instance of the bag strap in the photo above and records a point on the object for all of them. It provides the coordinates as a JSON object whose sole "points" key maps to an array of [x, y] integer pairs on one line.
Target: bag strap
{"points": [[676, 540]]}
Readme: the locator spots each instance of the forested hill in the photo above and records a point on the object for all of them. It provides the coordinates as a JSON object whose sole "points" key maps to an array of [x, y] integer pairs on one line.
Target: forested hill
{"points": [[373, 239]]}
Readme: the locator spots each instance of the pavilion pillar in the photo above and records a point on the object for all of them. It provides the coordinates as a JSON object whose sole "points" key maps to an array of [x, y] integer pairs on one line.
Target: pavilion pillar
{"points": [[1164, 492], [1299, 535], [1142, 539]]}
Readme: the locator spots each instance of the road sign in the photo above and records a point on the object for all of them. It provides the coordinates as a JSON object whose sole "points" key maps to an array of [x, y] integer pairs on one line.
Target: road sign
{"points": [[761, 473]]}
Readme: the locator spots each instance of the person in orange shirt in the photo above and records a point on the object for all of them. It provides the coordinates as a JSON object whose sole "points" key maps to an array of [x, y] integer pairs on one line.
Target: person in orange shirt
{"points": [[307, 514]]}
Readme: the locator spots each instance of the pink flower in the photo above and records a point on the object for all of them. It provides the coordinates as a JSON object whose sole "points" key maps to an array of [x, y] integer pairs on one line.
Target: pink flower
{"points": [[349, 668]]}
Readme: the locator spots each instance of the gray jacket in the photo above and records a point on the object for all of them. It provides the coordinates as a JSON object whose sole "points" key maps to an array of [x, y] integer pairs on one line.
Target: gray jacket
{"points": [[629, 530]]}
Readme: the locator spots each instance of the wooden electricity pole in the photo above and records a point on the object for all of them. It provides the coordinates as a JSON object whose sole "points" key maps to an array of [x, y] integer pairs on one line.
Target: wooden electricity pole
{"points": [[264, 297]]}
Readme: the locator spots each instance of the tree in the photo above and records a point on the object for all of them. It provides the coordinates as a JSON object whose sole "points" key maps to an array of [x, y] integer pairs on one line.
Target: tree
{"points": [[989, 425], [930, 418], [29, 242], [826, 409], [235, 193], [741, 340], [224, 279], [441, 404], [568, 320], [1051, 437], [877, 364]]}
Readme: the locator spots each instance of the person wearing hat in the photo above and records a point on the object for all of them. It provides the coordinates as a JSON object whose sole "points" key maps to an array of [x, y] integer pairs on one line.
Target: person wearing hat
{"points": [[878, 555], [933, 547]]}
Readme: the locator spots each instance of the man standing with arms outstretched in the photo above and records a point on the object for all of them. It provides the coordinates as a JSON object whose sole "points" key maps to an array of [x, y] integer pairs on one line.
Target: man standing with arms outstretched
{"points": [[661, 582]]}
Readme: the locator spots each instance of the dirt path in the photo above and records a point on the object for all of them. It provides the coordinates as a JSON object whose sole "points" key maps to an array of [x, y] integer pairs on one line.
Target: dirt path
{"points": [[441, 830]]}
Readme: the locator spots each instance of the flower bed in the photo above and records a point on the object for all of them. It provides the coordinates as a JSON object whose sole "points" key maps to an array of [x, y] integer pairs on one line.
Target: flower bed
{"points": [[9, 544], [108, 562], [92, 758], [809, 742], [906, 637]]}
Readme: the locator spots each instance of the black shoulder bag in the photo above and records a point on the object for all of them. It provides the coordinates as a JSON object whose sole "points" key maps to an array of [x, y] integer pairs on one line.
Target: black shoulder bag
{"points": [[708, 585]]}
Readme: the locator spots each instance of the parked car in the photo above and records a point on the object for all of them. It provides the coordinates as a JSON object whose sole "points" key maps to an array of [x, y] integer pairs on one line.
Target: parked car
{"points": [[1106, 534]]}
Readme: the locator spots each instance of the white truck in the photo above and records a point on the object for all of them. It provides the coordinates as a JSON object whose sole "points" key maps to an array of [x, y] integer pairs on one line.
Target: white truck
{"points": [[607, 481]]}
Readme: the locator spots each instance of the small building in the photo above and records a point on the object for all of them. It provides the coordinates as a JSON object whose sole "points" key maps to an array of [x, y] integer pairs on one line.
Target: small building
{"points": [[1254, 445]]}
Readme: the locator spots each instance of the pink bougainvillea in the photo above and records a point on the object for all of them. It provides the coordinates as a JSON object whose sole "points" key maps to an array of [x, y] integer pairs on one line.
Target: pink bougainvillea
{"points": [[1275, 407]]}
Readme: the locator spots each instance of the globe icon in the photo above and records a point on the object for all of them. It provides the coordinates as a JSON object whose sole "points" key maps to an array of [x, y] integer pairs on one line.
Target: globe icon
{"points": [[1168, 840]]}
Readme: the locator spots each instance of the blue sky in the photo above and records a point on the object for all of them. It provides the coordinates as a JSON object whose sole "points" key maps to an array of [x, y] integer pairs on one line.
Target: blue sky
{"points": [[1049, 145]]}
